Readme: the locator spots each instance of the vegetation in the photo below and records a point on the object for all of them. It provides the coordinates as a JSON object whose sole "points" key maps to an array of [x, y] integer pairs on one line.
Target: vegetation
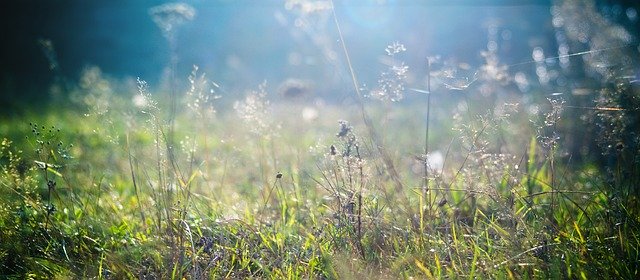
{"points": [[125, 183]]}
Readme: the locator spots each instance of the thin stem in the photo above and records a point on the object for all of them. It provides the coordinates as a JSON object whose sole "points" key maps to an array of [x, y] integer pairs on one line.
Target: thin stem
{"points": [[539, 247], [344, 48], [268, 197], [360, 203], [172, 95], [135, 184], [425, 187]]}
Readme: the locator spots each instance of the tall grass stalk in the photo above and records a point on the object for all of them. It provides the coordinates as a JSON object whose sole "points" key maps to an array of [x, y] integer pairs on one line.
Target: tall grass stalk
{"points": [[425, 186], [135, 183], [373, 135]]}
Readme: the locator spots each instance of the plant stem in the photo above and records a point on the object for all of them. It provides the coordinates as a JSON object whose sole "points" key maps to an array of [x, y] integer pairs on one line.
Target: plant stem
{"points": [[135, 184], [425, 186]]}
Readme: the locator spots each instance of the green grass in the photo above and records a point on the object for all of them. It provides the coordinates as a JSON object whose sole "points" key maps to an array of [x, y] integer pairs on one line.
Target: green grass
{"points": [[130, 184], [105, 195]]}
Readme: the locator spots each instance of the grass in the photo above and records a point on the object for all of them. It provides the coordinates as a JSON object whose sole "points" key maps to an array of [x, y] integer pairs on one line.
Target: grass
{"points": [[141, 185], [279, 203]]}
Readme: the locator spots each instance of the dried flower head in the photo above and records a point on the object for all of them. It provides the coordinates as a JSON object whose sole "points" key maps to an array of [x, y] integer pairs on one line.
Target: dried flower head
{"points": [[201, 94], [395, 48], [171, 15], [143, 98], [306, 7], [391, 82], [254, 111], [345, 128]]}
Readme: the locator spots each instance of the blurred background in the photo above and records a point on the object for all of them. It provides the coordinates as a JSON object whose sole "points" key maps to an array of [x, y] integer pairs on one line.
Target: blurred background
{"points": [[241, 43]]}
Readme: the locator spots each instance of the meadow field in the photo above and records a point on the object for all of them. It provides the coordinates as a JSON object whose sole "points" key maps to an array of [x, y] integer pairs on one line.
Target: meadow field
{"points": [[447, 171]]}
